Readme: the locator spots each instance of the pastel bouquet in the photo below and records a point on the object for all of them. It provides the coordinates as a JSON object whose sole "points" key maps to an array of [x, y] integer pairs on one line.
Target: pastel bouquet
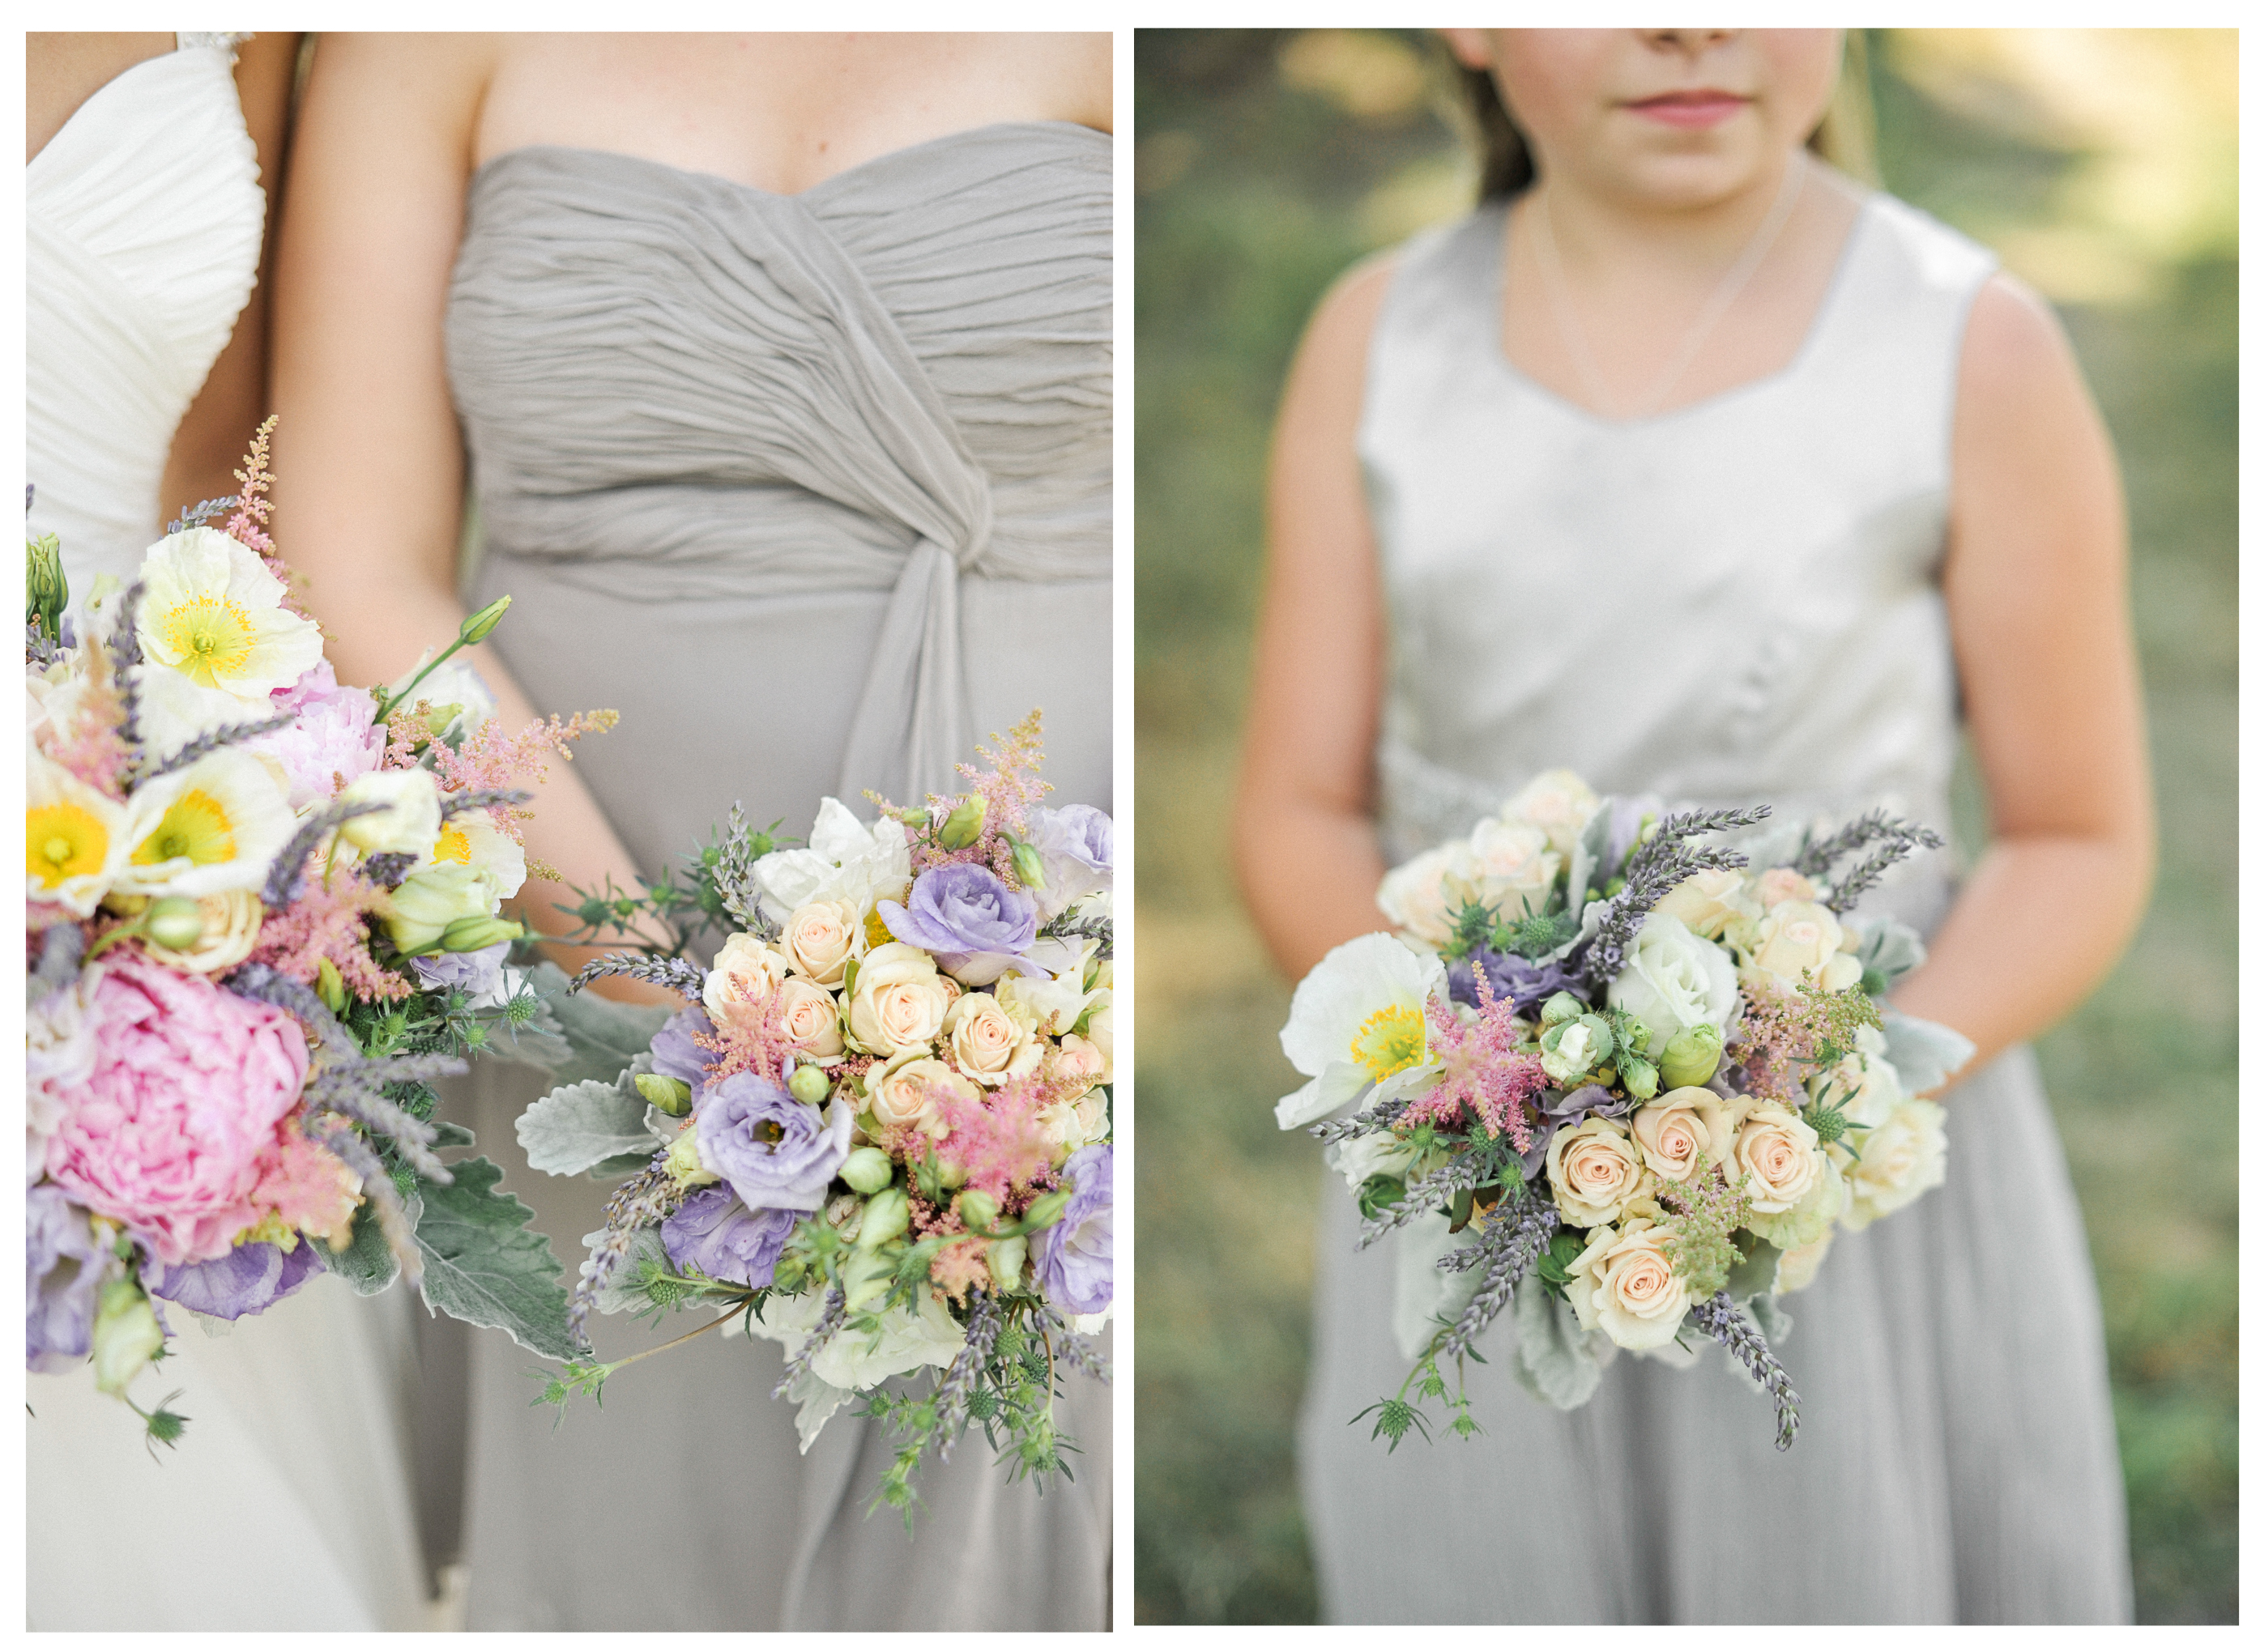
{"points": [[879, 1133], [263, 912], [1651, 1074]]}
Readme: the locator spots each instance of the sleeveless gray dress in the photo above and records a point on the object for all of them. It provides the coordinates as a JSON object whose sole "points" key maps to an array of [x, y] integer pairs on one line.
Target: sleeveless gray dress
{"points": [[816, 491], [1777, 547]]}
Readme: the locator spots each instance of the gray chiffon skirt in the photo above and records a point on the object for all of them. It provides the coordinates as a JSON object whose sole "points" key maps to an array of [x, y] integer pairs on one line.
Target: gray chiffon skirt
{"points": [[1956, 1462]]}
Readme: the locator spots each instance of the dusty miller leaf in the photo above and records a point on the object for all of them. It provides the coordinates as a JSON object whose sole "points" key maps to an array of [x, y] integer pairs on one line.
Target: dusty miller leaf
{"points": [[484, 1266], [578, 1127], [368, 1264]]}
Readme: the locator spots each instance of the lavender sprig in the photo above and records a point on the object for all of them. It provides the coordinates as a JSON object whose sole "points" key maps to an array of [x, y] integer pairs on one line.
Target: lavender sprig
{"points": [[1844, 894], [734, 877], [1515, 1240], [384, 1197], [1074, 1349], [454, 803], [204, 744], [126, 653], [40, 649], [676, 974], [645, 1200], [1434, 1191], [826, 1327], [953, 1400], [286, 875], [60, 948], [1734, 1330], [1652, 871], [1368, 1121], [196, 516]]}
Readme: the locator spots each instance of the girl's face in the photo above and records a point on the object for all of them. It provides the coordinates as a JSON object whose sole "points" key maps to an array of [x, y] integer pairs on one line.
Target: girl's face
{"points": [[1659, 117]]}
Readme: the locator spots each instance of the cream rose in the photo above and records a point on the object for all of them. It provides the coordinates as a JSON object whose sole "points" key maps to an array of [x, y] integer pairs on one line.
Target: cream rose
{"points": [[1073, 1125], [987, 1042], [812, 1020], [746, 968], [820, 937], [900, 1002], [1864, 1087], [1714, 903], [232, 920], [1796, 935], [1596, 1172], [1679, 1127], [903, 1090], [1082, 1061], [1558, 803], [1777, 884], [1622, 1284], [1799, 1267], [1781, 1156], [1901, 1159], [1419, 896], [1511, 864]]}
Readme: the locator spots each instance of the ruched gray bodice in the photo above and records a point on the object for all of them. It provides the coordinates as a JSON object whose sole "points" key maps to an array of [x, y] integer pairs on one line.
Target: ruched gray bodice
{"points": [[1735, 601], [816, 491]]}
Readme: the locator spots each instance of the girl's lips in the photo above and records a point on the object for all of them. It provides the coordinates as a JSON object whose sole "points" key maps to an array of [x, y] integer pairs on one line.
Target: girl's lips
{"points": [[1688, 109]]}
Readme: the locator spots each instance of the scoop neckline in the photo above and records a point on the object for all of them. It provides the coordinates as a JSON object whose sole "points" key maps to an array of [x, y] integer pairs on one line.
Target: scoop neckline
{"points": [[1494, 288], [964, 134]]}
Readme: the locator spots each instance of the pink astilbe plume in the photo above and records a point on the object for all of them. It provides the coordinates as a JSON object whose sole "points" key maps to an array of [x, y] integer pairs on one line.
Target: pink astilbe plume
{"points": [[997, 1138], [1784, 1032], [329, 921], [1008, 788], [492, 760], [1483, 1073], [960, 1267], [749, 1037], [81, 730], [247, 526]]}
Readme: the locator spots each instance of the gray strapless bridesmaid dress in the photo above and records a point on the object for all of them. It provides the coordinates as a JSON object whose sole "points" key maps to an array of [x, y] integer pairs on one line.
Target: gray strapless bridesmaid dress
{"points": [[816, 491], [1778, 548]]}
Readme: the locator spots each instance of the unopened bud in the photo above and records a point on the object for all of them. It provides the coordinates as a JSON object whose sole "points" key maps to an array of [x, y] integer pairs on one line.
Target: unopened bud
{"points": [[47, 590], [684, 1165], [331, 985], [126, 1336], [867, 1278], [809, 1083], [888, 1216], [1028, 866], [1561, 1008], [1005, 1258], [670, 1096], [1046, 1212], [476, 628], [868, 1170], [1691, 1057], [477, 934], [965, 822], [174, 922], [1639, 1077], [979, 1209]]}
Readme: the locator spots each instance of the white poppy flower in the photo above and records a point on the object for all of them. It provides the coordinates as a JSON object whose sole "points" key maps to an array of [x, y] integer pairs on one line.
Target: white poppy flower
{"points": [[216, 825], [1360, 1018], [75, 838], [213, 611]]}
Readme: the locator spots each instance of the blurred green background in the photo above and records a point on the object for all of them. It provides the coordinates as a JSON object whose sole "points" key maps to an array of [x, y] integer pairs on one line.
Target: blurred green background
{"points": [[2102, 165]]}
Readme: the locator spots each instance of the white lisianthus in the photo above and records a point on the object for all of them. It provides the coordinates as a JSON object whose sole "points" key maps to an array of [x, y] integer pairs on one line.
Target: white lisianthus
{"points": [[1360, 1018], [214, 825], [212, 611], [409, 821], [845, 860], [1359, 1158], [75, 838], [472, 839], [419, 912], [1673, 979], [906, 1338], [452, 683], [1053, 1006], [1558, 803], [1420, 896], [1901, 1159], [1622, 1284]]}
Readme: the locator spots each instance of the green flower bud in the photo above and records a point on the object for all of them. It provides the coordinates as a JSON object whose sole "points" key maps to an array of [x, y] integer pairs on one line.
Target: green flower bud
{"points": [[684, 1165], [473, 935], [1561, 1008], [476, 628], [1006, 1257], [979, 1209], [47, 589], [670, 1096], [1028, 866], [965, 822], [175, 921], [1634, 1034], [127, 1336], [809, 1083], [1639, 1077], [331, 985], [915, 818], [888, 1216], [1045, 1211], [1568, 1049], [868, 1170], [1692, 1056], [867, 1278], [425, 905]]}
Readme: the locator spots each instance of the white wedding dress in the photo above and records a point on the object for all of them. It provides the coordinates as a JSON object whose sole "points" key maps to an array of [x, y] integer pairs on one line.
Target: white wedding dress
{"points": [[290, 1504]]}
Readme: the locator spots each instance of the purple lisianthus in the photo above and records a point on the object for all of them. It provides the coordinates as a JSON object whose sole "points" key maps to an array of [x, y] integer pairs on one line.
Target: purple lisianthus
{"points": [[713, 1232], [249, 1280], [1076, 1261], [64, 1267], [676, 1052], [777, 1152], [1512, 977], [975, 928], [1567, 1112], [334, 737], [474, 975], [1078, 846]]}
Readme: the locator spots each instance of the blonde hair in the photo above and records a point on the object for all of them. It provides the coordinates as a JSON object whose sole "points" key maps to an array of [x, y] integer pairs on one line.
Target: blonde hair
{"points": [[1845, 137]]}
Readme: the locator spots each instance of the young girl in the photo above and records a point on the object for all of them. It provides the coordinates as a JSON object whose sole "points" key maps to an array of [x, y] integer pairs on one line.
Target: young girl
{"points": [[1689, 463]]}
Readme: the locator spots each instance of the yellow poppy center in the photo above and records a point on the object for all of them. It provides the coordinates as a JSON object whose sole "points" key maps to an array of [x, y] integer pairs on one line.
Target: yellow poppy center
{"points": [[213, 635], [874, 928], [64, 841], [195, 828], [1391, 1040], [455, 844]]}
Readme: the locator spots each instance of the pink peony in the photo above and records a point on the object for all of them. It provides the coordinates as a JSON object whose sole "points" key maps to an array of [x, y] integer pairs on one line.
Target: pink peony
{"points": [[171, 1131], [334, 740]]}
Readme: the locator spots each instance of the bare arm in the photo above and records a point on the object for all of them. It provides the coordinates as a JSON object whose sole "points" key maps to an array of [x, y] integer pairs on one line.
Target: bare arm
{"points": [[2036, 590], [369, 457], [218, 424], [1302, 833]]}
